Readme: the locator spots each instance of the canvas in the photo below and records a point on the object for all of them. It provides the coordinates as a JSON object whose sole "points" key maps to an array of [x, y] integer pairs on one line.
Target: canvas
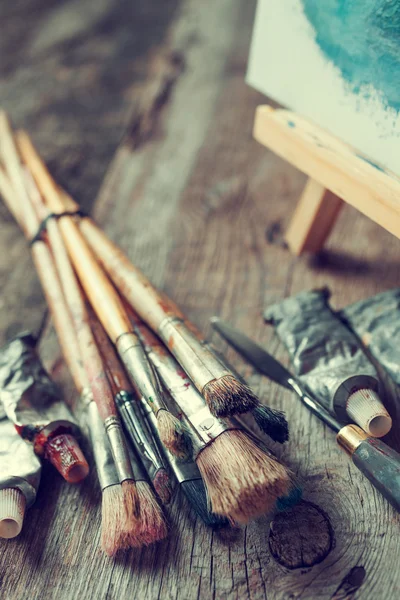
{"points": [[337, 63]]}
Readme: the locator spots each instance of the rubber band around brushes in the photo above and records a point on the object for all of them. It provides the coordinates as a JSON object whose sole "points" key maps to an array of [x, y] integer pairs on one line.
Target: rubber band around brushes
{"points": [[38, 237]]}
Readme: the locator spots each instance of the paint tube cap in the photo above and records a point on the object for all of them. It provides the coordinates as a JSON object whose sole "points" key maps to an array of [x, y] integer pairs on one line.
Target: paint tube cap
{"points": [[65, 454], [12, 511], [365, 408]]}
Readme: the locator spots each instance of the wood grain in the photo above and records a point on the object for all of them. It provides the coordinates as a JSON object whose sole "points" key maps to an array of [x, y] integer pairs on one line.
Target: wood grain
{"points": [[189, 196]]}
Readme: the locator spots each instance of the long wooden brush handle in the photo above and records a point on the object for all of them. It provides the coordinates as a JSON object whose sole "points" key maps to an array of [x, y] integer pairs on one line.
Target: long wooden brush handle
{"points": [[116, 372], [94, 367], [96, 284], [15, 174], [47, 273], [7, 191], [75, 301], [152, 305]]}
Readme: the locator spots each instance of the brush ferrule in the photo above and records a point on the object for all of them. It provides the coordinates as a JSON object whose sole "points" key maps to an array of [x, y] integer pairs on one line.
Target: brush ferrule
{"points": [[103, 456], [139, 432], [140, 371], [177, 383], [191, 353], [119, 448], [208, 427]]}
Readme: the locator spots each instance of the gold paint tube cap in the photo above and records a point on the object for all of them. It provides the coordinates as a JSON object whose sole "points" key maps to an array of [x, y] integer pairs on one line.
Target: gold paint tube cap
{"points": [[12, 512], [365, 408]]}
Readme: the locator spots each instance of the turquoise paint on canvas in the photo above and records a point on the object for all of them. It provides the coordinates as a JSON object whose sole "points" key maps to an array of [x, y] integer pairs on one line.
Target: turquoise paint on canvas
{"points": [[362, 39]]}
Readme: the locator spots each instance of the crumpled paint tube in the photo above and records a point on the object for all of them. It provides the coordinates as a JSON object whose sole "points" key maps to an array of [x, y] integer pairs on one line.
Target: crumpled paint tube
{"points": [[32, 401], [376, 321], [328, 358], [20, 471]]}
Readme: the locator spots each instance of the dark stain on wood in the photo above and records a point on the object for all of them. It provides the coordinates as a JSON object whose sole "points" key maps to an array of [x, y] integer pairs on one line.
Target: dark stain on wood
{"points": [[350, 584], [301, 537], [274, 234]]}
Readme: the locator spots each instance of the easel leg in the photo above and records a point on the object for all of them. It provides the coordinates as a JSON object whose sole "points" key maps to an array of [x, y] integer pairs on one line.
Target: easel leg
{"points": [[314, 217]]}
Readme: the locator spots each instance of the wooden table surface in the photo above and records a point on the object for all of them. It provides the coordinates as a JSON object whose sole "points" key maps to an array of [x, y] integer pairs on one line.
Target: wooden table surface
{"points": [[141, 110]]}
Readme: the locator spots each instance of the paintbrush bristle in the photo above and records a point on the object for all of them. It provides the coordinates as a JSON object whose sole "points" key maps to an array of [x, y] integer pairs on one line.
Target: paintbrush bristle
{"points": [[173, 434], [195, 492], [162, 485], [152, 524], [272, 422], [227, 396], [112, 520], [243, 481], [130, 501]]}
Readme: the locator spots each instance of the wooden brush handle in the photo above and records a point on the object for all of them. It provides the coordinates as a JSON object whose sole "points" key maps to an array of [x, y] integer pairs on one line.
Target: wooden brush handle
{"points": [[131, 283], [15, 193], [115, 370], [59, 311], [96, 284], [148, 338], [7, 191], [93, 364]]}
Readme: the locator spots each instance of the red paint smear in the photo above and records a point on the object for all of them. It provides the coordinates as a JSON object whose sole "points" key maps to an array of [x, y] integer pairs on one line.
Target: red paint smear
{"points": [[65, 454]]}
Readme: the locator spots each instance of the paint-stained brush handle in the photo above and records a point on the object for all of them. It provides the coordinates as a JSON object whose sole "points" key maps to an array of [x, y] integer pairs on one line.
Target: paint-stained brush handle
{"points": [[377, 461], [95, 282]]}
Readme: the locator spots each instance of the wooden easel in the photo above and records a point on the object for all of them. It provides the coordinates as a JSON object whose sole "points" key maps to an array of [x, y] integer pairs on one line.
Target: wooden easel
{"points": [[336, 173]]}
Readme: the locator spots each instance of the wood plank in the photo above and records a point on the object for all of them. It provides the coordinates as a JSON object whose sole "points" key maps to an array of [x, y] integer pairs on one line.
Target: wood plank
{"points": [[190, 195]]}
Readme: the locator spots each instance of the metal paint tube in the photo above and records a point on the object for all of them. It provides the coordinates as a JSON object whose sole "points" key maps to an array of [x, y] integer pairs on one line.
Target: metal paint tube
{"points": [[141, 372], [376, 321], [31, 400], [20, 469], [325, 355], [189, 351], [140, 433]]}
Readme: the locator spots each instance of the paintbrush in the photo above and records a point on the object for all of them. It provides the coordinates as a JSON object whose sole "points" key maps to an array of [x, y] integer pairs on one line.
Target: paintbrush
{"points": [[186, 472], [93, 365], [129, 408], [63, 450], [243, 480], [188, 478], [116, 528], [112, 525], [106, 303], [137, 494], [224, 393], [270, 421], [379, 463]]}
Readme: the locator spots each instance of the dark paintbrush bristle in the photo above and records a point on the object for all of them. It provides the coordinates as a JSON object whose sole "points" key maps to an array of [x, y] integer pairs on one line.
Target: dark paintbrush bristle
{"points": [[162, 485], [173, 434], [227, 396], [195, 492], [272, 422]]}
